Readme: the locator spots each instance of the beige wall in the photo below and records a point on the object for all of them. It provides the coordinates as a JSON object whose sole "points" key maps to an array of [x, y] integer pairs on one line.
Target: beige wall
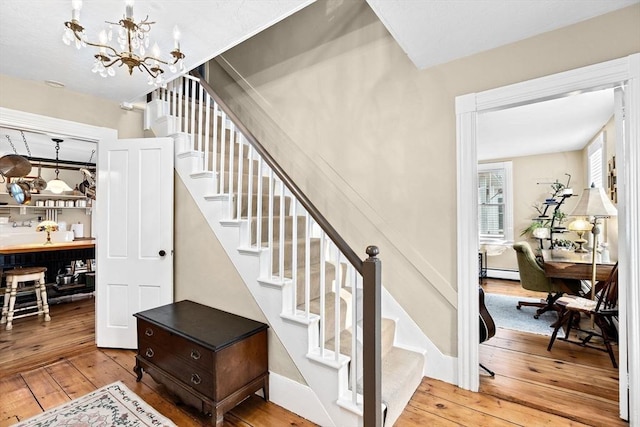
{"points": [[38, 98], [371, 139], [528, 171], [204, 274]]}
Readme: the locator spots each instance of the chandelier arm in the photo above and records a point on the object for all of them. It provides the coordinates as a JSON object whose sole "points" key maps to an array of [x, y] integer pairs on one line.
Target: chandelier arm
{"points": [[153, 72], [153, 58], [115, 52], [113, 62]]}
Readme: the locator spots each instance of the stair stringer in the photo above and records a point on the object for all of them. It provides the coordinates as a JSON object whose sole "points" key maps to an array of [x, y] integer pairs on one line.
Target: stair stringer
{"points": [[326, 380]]}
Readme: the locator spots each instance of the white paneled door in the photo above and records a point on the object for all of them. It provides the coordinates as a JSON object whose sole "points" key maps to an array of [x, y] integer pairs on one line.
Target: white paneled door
{"points": [[134, 239]]}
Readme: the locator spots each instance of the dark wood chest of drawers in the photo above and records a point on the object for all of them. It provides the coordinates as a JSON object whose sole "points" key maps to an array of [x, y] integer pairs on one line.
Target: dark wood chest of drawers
{"points": [[209, 358]]}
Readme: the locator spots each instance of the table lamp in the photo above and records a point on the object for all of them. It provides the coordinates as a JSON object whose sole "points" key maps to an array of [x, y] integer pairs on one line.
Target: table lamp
{"points": [[594, 203], [47, 226], [579, 226]]}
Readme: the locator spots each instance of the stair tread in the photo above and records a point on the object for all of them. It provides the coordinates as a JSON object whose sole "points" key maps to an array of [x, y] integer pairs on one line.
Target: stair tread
{"points": [[402, 372]]}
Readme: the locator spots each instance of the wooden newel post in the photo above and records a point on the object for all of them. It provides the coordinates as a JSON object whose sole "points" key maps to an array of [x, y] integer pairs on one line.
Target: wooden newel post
{"points": [[372, 320]]}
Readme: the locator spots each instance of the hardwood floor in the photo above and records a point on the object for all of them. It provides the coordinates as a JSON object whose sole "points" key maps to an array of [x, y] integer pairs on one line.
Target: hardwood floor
{"points": [[43, 365]]}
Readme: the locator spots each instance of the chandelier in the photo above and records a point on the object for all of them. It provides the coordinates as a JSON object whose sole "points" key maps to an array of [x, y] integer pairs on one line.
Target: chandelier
{"points": [[133, 40]]}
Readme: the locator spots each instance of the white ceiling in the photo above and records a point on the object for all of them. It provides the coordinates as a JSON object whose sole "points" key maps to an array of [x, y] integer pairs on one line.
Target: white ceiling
{"points": [[430, 31], [563, 124], [31, 37]]}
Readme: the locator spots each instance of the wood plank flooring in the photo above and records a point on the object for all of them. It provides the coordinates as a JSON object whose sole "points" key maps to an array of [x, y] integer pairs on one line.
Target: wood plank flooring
{"points": [[43, 365]]}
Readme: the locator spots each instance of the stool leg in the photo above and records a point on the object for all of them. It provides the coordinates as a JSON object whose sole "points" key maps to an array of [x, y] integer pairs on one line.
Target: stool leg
{"points": [[12, 302], [45, 303], [5, 303], [38, 298]]}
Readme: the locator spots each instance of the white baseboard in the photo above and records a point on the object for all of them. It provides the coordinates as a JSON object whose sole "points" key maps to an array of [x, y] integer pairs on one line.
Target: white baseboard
{"points": [[297, 398], [503, 274]]}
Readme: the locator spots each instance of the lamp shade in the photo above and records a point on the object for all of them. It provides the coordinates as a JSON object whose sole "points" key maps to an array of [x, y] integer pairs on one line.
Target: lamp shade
{"points": [[57, 186], [47, 226], [594, 202], [580, 225]]}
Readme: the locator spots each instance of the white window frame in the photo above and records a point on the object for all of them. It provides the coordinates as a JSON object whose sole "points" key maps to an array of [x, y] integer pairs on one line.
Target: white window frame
{"points": [[597, 147], [507, 195]]}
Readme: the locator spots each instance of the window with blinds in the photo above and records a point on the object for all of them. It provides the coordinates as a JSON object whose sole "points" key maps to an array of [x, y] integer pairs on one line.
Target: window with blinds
{"points": [[495, 201], [595, 166]]}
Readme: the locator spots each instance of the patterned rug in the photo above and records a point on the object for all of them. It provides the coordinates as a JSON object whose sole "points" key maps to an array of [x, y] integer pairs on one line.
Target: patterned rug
{"points": [[112, 405]]}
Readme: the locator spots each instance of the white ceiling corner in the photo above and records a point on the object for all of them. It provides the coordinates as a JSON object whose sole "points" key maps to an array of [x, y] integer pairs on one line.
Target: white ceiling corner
{"points": [[434, 32]]}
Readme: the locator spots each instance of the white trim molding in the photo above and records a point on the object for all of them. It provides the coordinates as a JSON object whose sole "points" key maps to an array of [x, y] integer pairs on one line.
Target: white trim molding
{"points": [[610, 74], [43, 124]]}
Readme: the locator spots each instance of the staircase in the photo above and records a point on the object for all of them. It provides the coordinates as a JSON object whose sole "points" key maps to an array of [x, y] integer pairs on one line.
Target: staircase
{"points": [[310, 291]]}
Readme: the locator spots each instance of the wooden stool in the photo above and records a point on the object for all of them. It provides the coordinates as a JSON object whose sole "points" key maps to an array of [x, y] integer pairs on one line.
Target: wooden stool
{"points": [[21, 275]]}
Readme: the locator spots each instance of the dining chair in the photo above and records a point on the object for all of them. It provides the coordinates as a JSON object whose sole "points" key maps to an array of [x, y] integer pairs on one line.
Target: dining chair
{"points": [[604, 310]]}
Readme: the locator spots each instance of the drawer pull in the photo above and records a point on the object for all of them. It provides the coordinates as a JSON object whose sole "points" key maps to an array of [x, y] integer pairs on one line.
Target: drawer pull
{"points": [[149, 352], [195, 354], [195, 378], [148, 332]]}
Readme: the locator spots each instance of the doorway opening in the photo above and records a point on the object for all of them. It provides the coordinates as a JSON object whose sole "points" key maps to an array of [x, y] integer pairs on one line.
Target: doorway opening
{"points": [[625, 71]]}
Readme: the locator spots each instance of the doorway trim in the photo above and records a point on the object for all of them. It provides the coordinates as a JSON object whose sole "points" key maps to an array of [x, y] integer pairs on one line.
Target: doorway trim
{"points": [[599, 76], [45, 124], [50, 125]]}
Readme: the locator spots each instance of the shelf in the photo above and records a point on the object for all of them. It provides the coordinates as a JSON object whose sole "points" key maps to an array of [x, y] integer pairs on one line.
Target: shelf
{"points": [[49, 196], [44, 207]]}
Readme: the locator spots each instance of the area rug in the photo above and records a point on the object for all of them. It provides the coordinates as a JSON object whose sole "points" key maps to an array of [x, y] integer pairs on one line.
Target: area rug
{"points": [[112, 405], [505, 314]]}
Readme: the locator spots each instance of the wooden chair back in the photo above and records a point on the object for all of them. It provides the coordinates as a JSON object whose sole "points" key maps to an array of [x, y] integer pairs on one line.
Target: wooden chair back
{"points": [[608, 297]]}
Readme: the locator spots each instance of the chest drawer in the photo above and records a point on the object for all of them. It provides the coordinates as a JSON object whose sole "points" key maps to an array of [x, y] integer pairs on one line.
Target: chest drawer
{"points": [[190, 352], [209, 358], [191, 374]]}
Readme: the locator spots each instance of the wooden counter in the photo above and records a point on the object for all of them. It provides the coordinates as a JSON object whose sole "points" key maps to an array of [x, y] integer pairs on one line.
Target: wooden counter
{"points": [[41, 247], [56, 256]]}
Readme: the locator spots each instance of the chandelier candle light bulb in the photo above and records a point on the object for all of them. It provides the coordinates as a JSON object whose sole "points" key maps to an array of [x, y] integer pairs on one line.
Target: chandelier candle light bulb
{"points": [[129, 9]]}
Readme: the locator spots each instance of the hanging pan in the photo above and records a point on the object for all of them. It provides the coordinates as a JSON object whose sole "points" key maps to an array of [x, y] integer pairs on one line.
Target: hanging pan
{"points": [[39, 184], [14, 165], [19, 190]]}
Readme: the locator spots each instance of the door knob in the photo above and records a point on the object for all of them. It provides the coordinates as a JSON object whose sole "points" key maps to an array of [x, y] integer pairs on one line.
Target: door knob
{"points": [[162, 253]]}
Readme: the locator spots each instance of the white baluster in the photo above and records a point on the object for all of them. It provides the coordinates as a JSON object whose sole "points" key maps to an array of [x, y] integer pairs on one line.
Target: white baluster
{"points": [[223, 151], [281, 234], [239, 174], [200, 92], [192, 127], [207, 125], [336, 299], [250, 196], [270, 219], [259, 193], [323, 289], [232, 148]]}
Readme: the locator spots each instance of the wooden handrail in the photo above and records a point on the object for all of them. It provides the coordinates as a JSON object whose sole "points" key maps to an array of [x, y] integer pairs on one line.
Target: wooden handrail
{"points": [[331, 232]]}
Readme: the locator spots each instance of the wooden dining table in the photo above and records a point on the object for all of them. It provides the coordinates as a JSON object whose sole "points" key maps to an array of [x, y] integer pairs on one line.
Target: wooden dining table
{"points": [[562, 264]]}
